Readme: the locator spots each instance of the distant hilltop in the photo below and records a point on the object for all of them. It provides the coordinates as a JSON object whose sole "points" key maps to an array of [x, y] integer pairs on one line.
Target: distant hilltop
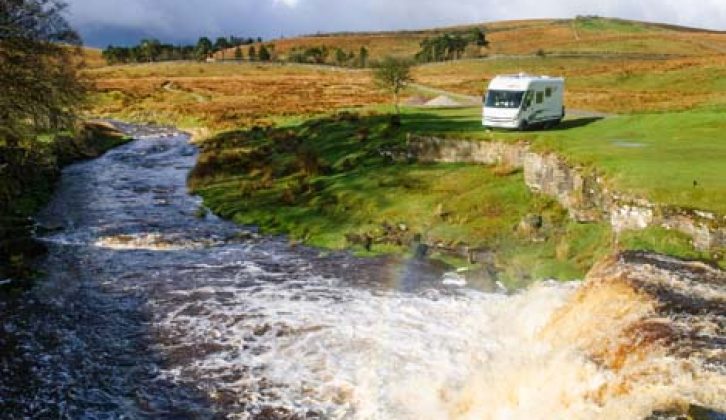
{"points": [[584, 35]]}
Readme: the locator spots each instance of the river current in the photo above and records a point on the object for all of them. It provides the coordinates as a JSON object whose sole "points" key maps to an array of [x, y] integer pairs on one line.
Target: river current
{"points": [[150, 310]]}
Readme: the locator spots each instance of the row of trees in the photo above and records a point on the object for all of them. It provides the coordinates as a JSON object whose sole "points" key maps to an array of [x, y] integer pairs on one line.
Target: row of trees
{"points": [[265, 53], [325, 55], [450, 46], [150, 50]]}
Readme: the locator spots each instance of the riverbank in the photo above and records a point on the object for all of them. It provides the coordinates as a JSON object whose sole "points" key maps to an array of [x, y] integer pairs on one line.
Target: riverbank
{"points": [[352, 181], [347, 182], [28, 176]]}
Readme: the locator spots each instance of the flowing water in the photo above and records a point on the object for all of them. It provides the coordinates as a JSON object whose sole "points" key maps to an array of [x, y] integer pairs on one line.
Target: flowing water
{"points": [[149, 310]]}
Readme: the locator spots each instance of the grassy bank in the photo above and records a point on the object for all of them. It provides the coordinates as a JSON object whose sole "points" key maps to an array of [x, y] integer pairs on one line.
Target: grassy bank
{"points": [[28, 175], [344, 182]]}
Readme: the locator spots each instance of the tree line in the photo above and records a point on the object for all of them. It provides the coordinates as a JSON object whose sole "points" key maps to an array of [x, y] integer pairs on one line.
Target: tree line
{"points": [[450, 46], [326, 55], [152, 50]]}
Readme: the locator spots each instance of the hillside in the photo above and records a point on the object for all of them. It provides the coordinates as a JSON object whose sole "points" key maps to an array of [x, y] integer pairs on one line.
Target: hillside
{"points": [[606, 84], [580, 36], [92, 57]]}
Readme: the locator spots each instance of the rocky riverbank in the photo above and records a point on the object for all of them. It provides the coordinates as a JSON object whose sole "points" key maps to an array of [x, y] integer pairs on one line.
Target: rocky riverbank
{"points": [[582, 191], [660, 329], [648, 334]]}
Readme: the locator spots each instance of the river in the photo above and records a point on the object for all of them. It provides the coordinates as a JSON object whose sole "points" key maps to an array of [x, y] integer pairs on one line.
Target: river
{"points": [[150, 309]]}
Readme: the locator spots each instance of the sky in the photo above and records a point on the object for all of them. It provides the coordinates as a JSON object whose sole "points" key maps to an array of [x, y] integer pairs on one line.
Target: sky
{"points": [[123, 22]]}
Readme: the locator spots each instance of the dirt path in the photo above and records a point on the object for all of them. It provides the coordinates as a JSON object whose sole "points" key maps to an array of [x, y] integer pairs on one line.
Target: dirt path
{"points": [[171, 87]]}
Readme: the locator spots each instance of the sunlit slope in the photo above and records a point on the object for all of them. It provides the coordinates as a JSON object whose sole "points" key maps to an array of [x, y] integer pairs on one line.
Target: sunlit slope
{"points": [[592, 35], [221, 96], [92, 57], [608, 84]]}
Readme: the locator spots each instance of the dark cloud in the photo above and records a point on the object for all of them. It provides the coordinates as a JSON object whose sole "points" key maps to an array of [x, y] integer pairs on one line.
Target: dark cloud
{"points": [[114, 21]]}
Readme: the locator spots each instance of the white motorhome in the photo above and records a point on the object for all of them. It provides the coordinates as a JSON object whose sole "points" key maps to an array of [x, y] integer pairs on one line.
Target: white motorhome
{"points": [[520, 101]]}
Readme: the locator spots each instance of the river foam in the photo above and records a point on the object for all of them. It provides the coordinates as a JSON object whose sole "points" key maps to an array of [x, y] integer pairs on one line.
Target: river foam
{"points": [[344, 352]]}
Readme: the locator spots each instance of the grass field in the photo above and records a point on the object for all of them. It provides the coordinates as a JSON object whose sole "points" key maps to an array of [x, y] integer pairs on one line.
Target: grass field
{"points": [[225, 96], [324, 180], [92, 58]]}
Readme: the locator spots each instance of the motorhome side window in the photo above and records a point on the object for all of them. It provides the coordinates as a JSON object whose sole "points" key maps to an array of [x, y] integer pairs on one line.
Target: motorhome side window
{"points": [[539, 97], [548, 92]]}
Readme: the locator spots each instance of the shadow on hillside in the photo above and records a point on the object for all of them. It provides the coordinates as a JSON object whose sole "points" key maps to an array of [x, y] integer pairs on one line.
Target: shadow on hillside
{"points": [[431, 122], [463, 122]]}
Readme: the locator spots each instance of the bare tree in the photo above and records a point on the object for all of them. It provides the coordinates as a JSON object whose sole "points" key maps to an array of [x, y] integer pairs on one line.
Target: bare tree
{"points": [[40, 59]]}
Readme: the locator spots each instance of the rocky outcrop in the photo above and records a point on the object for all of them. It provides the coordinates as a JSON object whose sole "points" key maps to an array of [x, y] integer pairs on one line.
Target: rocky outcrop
{"points": [[434, 149], [636, 315], [583, 192]]}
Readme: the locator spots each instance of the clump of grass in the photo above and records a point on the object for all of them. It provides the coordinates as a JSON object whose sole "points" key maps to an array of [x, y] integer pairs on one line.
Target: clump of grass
{"points": [[669, 242], [201, 212]]}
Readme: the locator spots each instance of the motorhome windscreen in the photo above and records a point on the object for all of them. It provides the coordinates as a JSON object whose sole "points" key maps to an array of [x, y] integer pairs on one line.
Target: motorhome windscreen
{"points": [[503, 99]]}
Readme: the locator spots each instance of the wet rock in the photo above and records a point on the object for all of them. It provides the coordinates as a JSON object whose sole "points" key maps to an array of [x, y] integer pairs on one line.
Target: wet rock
{"points": [[639, 311], [27, 247], [530, 224], [49, 229], [420, 250], [694, 412]]}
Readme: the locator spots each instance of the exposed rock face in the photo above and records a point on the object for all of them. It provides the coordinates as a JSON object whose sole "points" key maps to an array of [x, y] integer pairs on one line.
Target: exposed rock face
{"points": [[434, 149], [584, 194], [657, 325], [631, 217], [581, 195]]}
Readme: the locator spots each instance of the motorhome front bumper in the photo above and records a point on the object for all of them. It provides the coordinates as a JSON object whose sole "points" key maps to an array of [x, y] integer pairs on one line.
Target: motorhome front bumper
{"points": [[499, 122]]}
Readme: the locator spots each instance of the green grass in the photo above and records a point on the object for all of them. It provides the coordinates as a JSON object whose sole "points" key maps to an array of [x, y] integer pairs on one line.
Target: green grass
{"points": [[664, 241], [656, 156], [350, 189], [599, 24], [259, 178], [675, 159]]}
